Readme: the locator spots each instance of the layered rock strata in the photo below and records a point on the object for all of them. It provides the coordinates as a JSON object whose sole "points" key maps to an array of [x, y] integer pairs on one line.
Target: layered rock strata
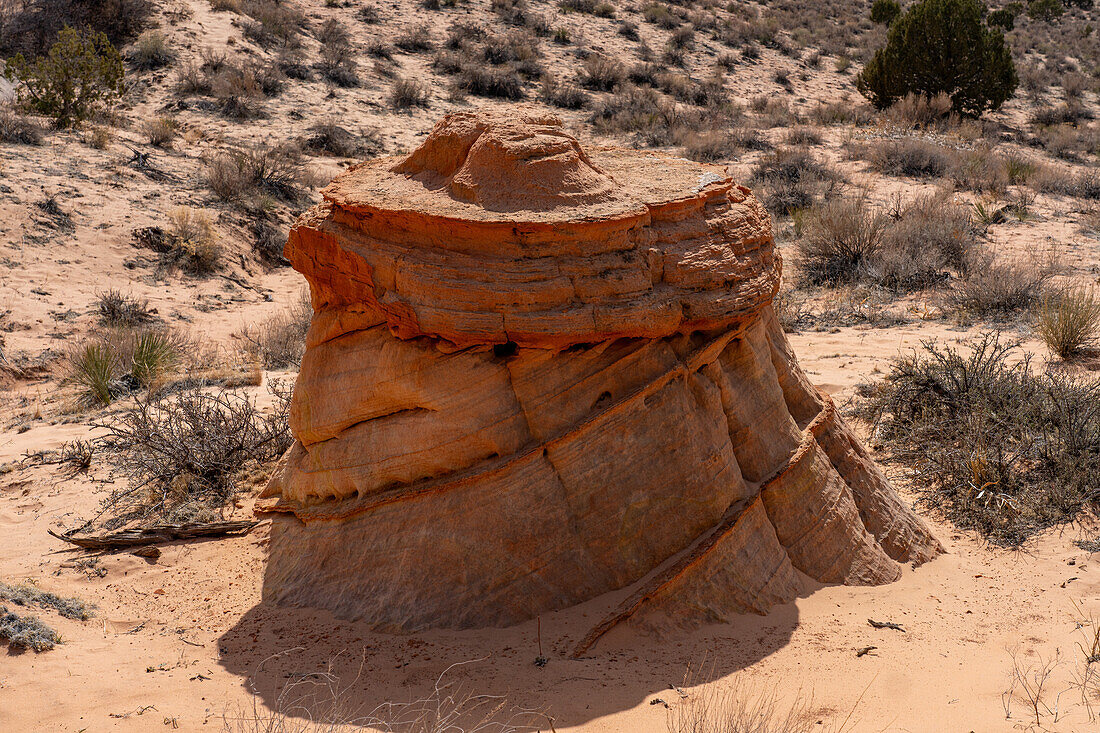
{"points": [[538, 373]]}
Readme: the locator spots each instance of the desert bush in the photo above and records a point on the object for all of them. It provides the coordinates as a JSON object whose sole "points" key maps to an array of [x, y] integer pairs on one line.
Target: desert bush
{"points": [[1050, 179], [601, 73], [840, 239], [237, 174], [793, 179], [1000, 448], [563, 95], [329, 137], [154, 353], [716, 145], [407, 92], [17, 128], [160, 131], [416, 39], [27, 595], [194, 241], [803, 136], [26, 632], [1004, 18], [910, 157], [643, 111], [97, 137], [272, 23], [81, 72], [337, 54], [94, 368], [1045, 10], [150, 51], [503, 82], [841, 113], [118, 310], [1068, 320], [979, 169], [941, 46], [182, 451], [280, 341], [996, 288], [914, 110], [30, 27], [930, 237]]}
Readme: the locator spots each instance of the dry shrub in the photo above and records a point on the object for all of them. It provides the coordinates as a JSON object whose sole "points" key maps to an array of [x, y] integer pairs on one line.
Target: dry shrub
{"points": [[329, 137], [980, 170], [337, 54], [17, 128], [916, 110], [841, 237], [792, 179], [643, 111], [150, 51], [407, 92], [118, 310], [841, 113], [194, 240], [711, 146], [1068, 320], [601, 73], [563, 95], [1051, 179], [999, 447], [930, 237], [118, 362], [26, 595], [916, 246], [160, 131], [910, 157], [26, 632], [273, 23], [416, 39], [998, 288], [737, 708], [280, 341], [238, 174], [181, 452], [803, 136], [97, 137]]}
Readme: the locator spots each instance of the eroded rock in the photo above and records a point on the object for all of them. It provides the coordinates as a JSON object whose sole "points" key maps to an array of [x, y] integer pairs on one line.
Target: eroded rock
{"points": [[538, 372]]}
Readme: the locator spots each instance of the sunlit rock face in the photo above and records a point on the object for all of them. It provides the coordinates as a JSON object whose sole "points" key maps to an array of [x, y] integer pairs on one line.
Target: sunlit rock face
{"points": [[540, 371]]}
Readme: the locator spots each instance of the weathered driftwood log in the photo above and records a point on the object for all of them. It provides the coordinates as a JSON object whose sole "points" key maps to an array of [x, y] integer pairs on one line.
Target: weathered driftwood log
{"points": [[156, 534], [537, 373]]}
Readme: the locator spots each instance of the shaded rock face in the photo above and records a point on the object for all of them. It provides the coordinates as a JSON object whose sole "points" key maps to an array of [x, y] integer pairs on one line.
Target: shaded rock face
{"points": [[537, 373]]}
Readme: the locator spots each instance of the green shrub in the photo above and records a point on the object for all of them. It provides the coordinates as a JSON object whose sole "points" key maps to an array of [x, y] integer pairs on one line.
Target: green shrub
{"points": [[81, 71], [1003, 18], [885, 12], [941, 46], [1046, 10]]}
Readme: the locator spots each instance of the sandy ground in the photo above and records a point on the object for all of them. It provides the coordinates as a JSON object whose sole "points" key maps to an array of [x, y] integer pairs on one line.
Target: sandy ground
{"points": [[185, 643], [188, 635]]}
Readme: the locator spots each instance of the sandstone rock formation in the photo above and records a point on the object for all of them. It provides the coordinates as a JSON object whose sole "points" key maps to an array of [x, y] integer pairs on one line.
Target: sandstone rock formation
{"points": [[539, 372]]}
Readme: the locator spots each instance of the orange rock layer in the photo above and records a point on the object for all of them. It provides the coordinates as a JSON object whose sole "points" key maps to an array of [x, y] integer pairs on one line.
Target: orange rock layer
{"points": [[537, 374]]}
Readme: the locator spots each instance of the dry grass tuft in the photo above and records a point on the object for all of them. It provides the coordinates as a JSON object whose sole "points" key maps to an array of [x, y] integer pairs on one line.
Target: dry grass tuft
{"points": [[1068, 320]]}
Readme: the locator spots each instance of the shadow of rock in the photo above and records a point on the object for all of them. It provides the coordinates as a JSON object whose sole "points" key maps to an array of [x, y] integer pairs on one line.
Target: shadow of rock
{"points": [[287, 654]]}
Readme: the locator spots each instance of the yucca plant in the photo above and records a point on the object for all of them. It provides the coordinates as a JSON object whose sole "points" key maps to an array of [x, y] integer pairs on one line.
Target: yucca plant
{"points": [[1069, 320], [155, 353], [94, 367]]}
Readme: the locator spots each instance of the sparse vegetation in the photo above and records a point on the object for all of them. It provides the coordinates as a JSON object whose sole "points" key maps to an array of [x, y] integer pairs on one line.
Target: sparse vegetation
{"points": [[792, 179], [407, 93], [280, 341], [236, 175], [1068, 320], [1000, 447], [81, 72], [182, 451], [26, 632], [119, 310]]}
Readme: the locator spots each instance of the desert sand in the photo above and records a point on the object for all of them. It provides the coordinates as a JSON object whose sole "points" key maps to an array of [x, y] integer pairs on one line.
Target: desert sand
{"points": [[185, 641]]}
